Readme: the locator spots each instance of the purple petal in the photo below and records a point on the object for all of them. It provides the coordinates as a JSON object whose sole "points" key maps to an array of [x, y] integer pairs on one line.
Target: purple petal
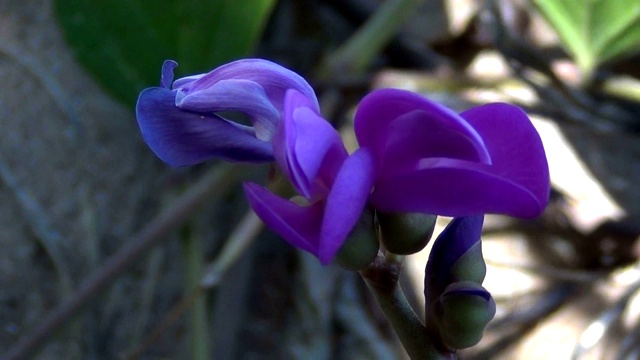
{"points": [[453, 242], [166, 76], [515, 147], [298, 225], [378, 111], [308, 149], [454, 188], [235, 95], [345, 202], [275, 79], [418, 135], [183, 82], [182, 138]]}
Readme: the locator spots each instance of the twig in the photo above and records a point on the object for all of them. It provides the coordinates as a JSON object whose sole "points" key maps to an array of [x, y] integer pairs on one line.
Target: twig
{"points": [[52, 86], [37, 219], [167, 322], [151, 235], [240, 238]]}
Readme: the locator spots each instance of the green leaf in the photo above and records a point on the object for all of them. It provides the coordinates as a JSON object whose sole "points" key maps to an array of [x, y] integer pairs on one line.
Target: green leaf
{"points": [[124, 42], [594, 31]]}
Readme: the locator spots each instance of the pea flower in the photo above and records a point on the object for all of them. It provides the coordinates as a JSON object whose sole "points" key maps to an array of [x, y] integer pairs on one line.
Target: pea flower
{"points": [[186, 123], [488, 159], [333, 185], [415, 156]]}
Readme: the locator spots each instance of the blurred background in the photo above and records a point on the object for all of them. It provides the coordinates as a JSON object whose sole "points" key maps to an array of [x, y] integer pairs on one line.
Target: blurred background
{"points": [[107, 253]]}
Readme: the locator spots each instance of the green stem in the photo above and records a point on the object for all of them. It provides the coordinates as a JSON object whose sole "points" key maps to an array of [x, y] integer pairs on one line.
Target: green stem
{"points": [[356, 54], [197, 324], [381, 278]]}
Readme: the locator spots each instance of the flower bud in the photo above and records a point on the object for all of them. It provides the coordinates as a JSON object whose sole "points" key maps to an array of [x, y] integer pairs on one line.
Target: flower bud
{"points": [[462, 312], [456, 256], [361, 246], [470, 266], [406, 233]]}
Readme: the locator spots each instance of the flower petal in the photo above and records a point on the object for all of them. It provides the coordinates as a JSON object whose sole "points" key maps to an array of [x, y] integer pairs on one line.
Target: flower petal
{"points": [[377, 112], [453, 187], [234, 95], [275, 79], [517, 153], [298, 225], [345, 202], [182, 138], [418, 135], [166, 77], [308, 149]]}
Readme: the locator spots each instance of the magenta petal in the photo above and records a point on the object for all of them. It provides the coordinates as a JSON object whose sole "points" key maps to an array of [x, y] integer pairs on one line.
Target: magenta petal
{"points": [[515, 147], [377, 112], [454, 188], [182, 138], [418, 135], [308, 149], [298, 225], [234, 95], [345, 202]]}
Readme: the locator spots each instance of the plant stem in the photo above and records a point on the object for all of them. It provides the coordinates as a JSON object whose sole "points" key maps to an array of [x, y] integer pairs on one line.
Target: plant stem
{"points": [[381, 278], [356, 54], [197, 323]]}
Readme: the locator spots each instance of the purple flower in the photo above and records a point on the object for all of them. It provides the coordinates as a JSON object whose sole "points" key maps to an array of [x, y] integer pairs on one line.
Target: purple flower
{"points": [[334, 185], [488, 159], [185, 124]]}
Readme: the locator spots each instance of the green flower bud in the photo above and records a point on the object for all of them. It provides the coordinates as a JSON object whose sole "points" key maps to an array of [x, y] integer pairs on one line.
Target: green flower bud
{"points": [[462, 312], [406, 233], [361, 246], [470, 266]]}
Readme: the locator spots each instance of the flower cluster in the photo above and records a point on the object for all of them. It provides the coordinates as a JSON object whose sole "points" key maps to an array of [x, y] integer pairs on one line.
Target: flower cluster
{"points": [[415, 155]]}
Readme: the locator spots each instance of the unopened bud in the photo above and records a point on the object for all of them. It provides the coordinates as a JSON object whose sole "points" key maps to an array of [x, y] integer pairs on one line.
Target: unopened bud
{"points": [[462, 312], [361, 246], [406, 233], [470, 266]]}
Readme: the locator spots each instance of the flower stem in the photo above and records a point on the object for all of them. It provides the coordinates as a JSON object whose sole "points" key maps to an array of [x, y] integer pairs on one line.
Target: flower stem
{"points": [[381, 278]]}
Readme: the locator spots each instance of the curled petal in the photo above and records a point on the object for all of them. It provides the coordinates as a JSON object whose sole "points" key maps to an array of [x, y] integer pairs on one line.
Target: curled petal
{"points": [[166, 77], [346, 201], [275, 79], [298, 225], [307, 147], [426, 127], [182, 138], [234, 95], [516, 150]]}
